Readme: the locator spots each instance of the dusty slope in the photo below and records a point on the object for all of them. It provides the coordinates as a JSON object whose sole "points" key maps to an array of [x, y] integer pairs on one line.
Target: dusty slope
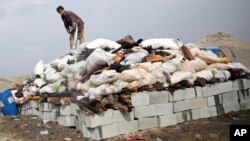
{"points": [[7, 81], [240, 48]]}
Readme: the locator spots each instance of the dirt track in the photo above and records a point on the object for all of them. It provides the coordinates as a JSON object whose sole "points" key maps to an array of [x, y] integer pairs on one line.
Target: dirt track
{"points": [[28, 128]]}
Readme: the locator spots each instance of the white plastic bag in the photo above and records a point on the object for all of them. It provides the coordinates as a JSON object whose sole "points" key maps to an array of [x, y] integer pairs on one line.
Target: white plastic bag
{"points": [[208, 56], [206, 74], [181, 75], [130, 75], [135, 57], [47, 89], [39, 68], [106, 76], [222, 75]]}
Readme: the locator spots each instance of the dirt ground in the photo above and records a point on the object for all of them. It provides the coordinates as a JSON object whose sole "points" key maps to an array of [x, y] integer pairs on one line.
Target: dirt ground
{"points": [[29, 128]]}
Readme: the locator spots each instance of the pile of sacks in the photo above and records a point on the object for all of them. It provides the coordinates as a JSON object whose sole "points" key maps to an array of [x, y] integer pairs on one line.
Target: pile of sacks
{"points": [[103, 67]]}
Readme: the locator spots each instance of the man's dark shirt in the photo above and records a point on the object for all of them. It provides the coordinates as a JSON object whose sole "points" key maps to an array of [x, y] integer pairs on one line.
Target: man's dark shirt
{"points": [[69, 18]]}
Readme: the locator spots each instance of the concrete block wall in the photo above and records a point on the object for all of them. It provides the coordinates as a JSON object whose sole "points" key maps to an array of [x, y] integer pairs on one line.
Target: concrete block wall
{"points": [[151, 109]]}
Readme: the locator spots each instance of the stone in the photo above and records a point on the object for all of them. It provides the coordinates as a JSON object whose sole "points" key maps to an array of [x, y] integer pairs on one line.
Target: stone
{"points": [[140, 99], [198, 103], [182, 105], [147, 123], [167, 120]]}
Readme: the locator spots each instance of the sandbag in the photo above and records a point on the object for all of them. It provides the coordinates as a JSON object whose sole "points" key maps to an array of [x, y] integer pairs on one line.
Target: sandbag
{"points": [[169, 67], [206, 74], [182, 75], [39, 82], [135, 57], [220, 66], [99, 58], [165, 43], [237, 65], [39, 68], [193, 65], [130, 75], [102, 43], [222, 75], [208, 56], [47, 89], [105, 77]]}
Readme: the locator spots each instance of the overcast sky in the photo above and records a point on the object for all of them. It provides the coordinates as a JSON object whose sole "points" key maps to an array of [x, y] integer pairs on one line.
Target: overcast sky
{"points": [[31, 30]]}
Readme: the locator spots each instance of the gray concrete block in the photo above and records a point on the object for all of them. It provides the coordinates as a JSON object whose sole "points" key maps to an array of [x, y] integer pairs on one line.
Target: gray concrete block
{"points": [[105, 132], [216, 110], [182, 105], [100, 119], [197, 103], [65, 110], [214, 100], [35, 111], [167, 120], [77, 124], [126, 127], [66, 120], [198, 92], [238, 84], [139, 99], [164, 109], [245, 104], [27, 111], [182, 94], [243, 94], [246, 83], [50, 116], [34, 103], [81, 115], [144, 111], [225, 87], [183, 116], [73, 109], [210, 90], [123, 116], [46, 107], [233, 106], [200, 113], [158, 97], [147, 123], [229, 97], [80, 126]]}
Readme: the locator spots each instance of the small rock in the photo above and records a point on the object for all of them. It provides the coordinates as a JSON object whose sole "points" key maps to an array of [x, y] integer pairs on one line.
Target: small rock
{"points": [[45, 132], [198, 137], [158, 139], [67, 139], [213, 136]]}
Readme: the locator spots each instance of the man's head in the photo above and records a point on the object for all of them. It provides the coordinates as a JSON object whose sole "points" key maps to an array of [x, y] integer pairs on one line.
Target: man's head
{"points": [[60, 10]]}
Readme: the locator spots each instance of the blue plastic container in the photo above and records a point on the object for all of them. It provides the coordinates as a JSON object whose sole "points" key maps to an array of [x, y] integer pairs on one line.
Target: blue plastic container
{"points": [[8, 104]]}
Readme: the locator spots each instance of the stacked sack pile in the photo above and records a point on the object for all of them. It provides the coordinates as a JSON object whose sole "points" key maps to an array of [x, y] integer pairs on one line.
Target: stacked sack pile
{"points": [[103, 74]]}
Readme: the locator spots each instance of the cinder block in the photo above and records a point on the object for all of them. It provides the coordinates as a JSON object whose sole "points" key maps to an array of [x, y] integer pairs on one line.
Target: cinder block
{"points": [[233, 106], [126, 127], [214, 100], [216, 110], [225, 87], [147, 123], [66, 120], [46, 107], [80, 126], [104, 132], [123, 116], [182, 105], [183, 116], [65, 110], [50, 116], [35, 111], [167, 120], [245, 104], [73, 109], [246, 83], [238, 84], [144, 111], [229, 97], [27, 111], [77, 124], [100, 119], [182, 94], [198, 92], [34, 104], [164, 109], [243, 94], [210, 90], [81, 116], [139, 99], [200, 113], [198, 103], [158, 97]]}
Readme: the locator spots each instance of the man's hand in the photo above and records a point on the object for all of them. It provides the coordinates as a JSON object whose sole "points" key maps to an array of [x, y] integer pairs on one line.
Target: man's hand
{"points": [[72, 28]]}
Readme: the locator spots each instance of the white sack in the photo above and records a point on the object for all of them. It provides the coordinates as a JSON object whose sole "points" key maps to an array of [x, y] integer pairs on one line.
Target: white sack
{"points": [[106, 76], [206, 74], [39, 68], [135, 57], [166, 43], [47, 89], [222, 75], [208, 56], [102, 43], [180, 76]]}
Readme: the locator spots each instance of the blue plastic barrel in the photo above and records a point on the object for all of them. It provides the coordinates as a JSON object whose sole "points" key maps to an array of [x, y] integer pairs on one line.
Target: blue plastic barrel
{"points": [[8, 104]]}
